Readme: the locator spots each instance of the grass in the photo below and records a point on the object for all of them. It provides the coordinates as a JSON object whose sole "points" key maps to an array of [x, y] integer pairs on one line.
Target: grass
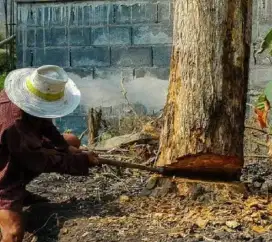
{"points": [[2, 80], [3, 61], [3, 68]]}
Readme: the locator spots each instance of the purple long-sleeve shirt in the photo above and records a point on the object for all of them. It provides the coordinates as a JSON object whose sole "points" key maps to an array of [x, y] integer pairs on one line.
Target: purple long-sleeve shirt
{"points": [[23, 153]]}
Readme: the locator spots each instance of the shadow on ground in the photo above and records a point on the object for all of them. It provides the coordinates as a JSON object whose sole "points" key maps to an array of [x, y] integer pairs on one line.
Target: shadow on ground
{"points": [[44, 221]]}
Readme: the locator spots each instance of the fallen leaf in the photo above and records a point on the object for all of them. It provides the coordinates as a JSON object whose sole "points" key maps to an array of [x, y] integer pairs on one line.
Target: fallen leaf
{"points": [[201, 223], [64, 230], [34, 239], [177, 235], [225, 228], [252, 202], [145, 239], [269, 208], [148, 128], [158, 215], [232, 224], [258, 229], [255, 215], [124, 199], [247, 219], [85, 234]]}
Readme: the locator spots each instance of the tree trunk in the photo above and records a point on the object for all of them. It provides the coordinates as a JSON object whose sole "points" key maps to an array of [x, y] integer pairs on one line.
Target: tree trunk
{"points": [[205, 110]]}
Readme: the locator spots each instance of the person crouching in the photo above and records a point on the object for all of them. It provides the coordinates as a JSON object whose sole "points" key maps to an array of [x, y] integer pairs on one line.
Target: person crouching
{"points": [[41, 94]]}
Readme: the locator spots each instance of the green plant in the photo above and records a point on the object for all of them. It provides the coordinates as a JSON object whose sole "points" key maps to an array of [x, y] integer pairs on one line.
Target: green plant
{"points": [[7, 60], [3, 60], [262, 105], [266, 44], [2, 80], [68, 131], [1, 36]]}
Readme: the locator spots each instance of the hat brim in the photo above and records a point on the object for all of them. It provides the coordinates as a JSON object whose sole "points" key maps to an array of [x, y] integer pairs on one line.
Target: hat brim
{"points": [[15, 87]]}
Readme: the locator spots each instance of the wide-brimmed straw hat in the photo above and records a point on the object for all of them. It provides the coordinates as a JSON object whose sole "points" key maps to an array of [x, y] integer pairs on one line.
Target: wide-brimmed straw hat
{"points": [[45, 92]]}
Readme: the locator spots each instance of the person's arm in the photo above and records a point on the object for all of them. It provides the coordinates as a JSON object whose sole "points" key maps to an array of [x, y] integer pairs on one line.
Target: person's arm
{"points": [[50, 131], [42, 160]]}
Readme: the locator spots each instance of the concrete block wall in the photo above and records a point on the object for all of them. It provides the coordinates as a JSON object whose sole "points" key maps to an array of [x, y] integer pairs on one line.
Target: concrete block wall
{"points": [[96, 40], [96, 34], [98, 43]]}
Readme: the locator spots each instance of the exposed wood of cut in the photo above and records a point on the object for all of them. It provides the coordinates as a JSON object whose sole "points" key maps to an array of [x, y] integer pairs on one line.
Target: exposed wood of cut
{"points": [[205, 110]]}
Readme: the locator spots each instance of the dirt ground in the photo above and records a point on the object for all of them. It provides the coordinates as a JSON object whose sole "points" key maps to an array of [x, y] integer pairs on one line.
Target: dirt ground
{"points": [[107, 206]]}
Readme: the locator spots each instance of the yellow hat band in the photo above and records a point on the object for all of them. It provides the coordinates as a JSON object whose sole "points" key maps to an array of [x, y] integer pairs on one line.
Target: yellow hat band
{"points": [[45, 96]]}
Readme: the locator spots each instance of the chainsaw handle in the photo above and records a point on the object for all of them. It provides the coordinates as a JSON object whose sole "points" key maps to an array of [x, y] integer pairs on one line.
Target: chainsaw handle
{"points": [[116, 163]]}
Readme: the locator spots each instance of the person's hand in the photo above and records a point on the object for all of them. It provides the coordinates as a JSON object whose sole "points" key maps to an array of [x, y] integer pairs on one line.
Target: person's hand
{"points": [[74, 150], [93, 158], [83, 148]]}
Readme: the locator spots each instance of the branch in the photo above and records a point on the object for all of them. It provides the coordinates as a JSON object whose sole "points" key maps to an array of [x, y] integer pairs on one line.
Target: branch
{"points": [[157, 118], [259, 142], [82, 134], [257, 156], [44, 225], [257, 129], [124, 92], [6, 41]]}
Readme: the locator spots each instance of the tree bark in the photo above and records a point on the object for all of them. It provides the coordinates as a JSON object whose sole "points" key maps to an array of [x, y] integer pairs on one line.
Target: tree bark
{"points": [[94, 125], [205, 110]]}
